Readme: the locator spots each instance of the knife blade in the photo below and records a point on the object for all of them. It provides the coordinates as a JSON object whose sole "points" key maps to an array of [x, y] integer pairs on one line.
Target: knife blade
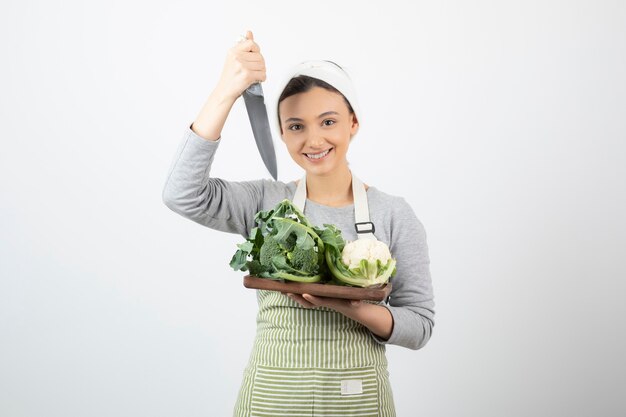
{"points": [[257, 113]]}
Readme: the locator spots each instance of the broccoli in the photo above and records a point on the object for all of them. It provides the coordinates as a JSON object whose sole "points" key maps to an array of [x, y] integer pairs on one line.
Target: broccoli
{"points": [[305, 259], [269, 249], [284, 246]]}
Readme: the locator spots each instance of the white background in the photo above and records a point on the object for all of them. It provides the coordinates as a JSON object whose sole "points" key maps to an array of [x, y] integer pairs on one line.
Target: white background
{"points": [[501, 122]]}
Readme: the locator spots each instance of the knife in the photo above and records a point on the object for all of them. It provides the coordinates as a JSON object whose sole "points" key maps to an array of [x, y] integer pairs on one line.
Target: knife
{"points": [[257, 113]]}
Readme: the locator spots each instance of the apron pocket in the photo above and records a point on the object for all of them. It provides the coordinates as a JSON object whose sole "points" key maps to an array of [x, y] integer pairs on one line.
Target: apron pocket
{"points": [[282, 392], [346, 392], [315, 392]]}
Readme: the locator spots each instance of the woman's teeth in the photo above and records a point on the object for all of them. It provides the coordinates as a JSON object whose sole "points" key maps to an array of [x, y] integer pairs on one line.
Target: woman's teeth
{"points": [[318, 155]]}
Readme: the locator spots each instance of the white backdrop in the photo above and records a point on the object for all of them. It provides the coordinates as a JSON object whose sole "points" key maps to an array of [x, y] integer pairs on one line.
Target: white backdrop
{"points": [[501, 122]]}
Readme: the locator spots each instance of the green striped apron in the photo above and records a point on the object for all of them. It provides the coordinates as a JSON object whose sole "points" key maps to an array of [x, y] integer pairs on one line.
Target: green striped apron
{"points": [[314, 362]]}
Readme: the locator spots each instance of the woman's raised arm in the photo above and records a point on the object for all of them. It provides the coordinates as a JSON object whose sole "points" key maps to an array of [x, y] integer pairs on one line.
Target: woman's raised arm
{"points": [[244, 65], [189, 190]]}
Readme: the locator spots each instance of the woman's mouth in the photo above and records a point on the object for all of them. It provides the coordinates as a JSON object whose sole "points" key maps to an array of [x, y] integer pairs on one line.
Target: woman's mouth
{"points": [[318, 156]]}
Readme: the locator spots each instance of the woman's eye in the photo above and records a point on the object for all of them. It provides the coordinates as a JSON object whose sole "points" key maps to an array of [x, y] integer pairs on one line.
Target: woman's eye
{"points": [[329, 120], [292, 127]]}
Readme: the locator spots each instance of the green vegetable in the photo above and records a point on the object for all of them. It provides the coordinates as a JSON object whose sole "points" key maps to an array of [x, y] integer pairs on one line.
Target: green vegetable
{"points": [[361, 263], [284, 246]]}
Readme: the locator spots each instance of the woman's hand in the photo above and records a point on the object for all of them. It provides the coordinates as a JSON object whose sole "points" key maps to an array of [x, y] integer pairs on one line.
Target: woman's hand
{"points": [[312, 301], [376, 318], [244, 66]]}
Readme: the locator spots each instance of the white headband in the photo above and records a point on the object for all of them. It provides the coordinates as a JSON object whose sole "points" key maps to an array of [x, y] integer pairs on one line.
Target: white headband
{"points": [[325, 71]]}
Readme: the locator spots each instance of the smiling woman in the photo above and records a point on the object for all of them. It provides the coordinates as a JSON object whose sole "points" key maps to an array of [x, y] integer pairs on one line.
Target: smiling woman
{"points": [[317, 132], [319, 123], [312, 356]]}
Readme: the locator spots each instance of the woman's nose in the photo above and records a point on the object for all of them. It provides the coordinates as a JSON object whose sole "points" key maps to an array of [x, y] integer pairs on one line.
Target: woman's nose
{"points": [[315, 141]]}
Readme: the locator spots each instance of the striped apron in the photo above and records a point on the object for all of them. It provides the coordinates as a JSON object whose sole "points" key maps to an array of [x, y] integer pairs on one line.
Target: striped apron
{"points": [[312, 363]]}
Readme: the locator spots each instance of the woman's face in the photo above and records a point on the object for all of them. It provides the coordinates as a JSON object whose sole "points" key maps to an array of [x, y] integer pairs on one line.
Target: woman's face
{"points": [[313, 123]]}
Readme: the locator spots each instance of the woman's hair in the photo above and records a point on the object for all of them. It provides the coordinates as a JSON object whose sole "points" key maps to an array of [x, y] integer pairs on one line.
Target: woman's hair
{"points": [[302, 84]]}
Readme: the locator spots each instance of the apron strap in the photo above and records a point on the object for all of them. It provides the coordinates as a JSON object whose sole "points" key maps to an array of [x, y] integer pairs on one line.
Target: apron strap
{"points": [[299, 198], [363, 226]]}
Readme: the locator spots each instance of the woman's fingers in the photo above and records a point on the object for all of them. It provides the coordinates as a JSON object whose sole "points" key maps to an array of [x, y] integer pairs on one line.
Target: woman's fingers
{"points": [[299, 299], [259, 75], [244, 66], [251, 57], [247, 43], [311, 301], [248, 46], [254, 65]]}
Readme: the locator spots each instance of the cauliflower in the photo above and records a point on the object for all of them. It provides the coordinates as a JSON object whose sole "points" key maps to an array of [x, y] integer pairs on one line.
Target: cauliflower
{"points": [[369, 249], [362, 263]]}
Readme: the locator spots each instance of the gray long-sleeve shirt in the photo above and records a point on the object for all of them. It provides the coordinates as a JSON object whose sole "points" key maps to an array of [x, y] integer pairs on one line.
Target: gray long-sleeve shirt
{"points": [[231, 206]]}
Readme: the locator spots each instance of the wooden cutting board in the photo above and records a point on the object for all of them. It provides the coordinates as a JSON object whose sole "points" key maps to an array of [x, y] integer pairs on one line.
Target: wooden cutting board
{"points": [[322, 290]]}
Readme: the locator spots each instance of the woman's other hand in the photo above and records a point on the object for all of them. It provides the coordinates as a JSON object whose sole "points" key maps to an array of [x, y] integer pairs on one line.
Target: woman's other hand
{"points": [[312, 301], [376, 318], [244, 66]]}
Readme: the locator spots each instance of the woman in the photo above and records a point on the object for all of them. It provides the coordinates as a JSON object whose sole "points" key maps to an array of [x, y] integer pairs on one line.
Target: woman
{"points": [[312, 356]]}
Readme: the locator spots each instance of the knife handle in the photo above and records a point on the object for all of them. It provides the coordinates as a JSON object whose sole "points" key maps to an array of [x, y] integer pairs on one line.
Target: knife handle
{"points": [[255, 89]]}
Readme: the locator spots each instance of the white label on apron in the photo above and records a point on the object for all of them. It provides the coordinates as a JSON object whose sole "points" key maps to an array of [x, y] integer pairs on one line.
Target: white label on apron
{"points": [[351, 387]]}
